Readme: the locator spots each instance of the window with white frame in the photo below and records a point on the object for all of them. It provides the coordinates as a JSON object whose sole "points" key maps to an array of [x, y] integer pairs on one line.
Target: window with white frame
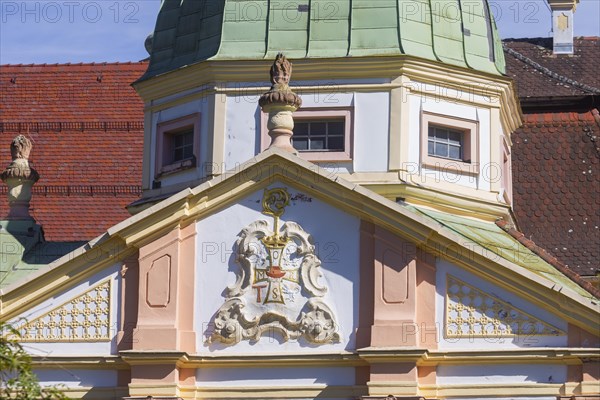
{"points": [[320, 134], [449, 143], [177, 144]]}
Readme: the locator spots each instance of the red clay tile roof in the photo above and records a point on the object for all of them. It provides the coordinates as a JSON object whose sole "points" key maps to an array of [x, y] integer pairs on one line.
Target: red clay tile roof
{"points": [[86, 123], [556, 182], [539, 73], [549, 258]]}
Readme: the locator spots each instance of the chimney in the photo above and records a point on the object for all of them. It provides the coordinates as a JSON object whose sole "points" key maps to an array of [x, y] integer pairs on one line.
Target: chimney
{"points": [[562, 25], [280, 102], [19, 177]]}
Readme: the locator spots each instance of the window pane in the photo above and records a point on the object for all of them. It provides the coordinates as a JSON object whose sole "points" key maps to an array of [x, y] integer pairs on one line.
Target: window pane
{"points": [[336, 128], [177, 140], [188, 151], [301, 128], [441, 150], [454, 152], [318, 128], [317, 143], [455, 138], [189, 138], [177, 154], [300, 144], [441, 134], [336, 143], [431, 133], [430, 148]]}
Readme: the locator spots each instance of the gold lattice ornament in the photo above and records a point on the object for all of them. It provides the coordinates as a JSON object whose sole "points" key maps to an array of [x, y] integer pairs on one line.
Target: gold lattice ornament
{"points": [[471, 312], [85, 318]]}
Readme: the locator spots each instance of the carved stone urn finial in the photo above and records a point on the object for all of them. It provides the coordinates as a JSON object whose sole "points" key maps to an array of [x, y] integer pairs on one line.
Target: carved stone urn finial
{"points": [[19, 177], [280, 102]]}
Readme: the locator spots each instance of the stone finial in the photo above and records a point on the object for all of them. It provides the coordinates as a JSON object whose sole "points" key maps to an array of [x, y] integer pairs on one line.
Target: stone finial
{"points": [[280, 102], [19, 177]]}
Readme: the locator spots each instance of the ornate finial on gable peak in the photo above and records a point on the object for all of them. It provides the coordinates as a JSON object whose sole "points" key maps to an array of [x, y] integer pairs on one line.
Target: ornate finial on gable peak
{"points": [[280, 102], [281, 71], [19, 177]]}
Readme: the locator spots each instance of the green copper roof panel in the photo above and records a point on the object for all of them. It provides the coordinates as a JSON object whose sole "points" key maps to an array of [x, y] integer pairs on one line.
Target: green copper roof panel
{"points": [[458, 32], [415, 28], [493, 239]]}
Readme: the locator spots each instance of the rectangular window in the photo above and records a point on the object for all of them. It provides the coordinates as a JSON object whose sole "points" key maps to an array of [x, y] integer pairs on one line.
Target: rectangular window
{"points": [[177, 145], [449, 143], [445, 142], [320, 134], [182, 144]]}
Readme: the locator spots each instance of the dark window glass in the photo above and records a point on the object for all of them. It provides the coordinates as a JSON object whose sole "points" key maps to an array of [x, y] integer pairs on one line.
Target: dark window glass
{"points": [[182, 145], [319, 135], [445, 142]]}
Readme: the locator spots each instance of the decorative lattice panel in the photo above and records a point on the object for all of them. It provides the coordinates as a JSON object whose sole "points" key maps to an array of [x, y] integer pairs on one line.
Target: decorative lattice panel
{"points": [[471, 312], [85, 318]]}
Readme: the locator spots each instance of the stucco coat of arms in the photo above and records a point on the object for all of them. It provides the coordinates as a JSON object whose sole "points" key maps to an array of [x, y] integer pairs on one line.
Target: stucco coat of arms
{"points": [[277, 286]]}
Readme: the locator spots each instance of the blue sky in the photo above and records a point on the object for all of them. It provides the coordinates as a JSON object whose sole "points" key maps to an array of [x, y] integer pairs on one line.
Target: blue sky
{"points": [[48, 31]]}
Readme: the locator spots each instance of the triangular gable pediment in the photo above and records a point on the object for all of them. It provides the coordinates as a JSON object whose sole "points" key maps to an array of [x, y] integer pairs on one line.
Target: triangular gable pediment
{"points": [[276, 165]]}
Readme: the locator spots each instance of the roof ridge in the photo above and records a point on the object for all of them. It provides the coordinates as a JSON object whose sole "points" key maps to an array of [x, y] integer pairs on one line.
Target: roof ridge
{"points": [[549, 258], [546, 71], [80, 64]]}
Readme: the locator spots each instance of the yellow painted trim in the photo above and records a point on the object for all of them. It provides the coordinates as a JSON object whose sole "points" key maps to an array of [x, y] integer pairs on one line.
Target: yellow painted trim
{"points": [[207, 73], [217, 127], [471, 203], [494, 390], [79, 362], [398, 130], [496, 153], [401, 388], [320, 391]]}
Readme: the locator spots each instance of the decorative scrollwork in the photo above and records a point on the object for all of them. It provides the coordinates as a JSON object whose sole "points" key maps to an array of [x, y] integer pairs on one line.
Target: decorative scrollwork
{"points": [[278, 286]]}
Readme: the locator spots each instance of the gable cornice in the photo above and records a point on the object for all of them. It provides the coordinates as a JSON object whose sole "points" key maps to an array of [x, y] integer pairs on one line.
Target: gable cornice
{"points": [[273, 165]]}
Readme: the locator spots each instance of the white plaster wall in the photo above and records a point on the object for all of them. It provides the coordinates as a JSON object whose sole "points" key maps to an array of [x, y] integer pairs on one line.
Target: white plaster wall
{"points": [[336, 237], [275, 377], [242, 130], [501, 373], [196, 106], [73, 378], [370, 127], [78, 348], [524, 341], [371, 131]]}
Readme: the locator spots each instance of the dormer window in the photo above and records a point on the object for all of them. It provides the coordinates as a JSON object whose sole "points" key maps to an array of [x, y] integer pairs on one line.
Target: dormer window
{"points": [[177, 144], [449, 143]]}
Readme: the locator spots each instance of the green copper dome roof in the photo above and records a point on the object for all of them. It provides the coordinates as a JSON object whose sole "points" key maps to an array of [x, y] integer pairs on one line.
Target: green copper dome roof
{"points": [[457, 32]]}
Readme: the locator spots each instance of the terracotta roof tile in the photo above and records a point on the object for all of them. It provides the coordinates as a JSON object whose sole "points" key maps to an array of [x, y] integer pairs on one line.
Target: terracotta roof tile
{"points": [[556, 179], [86, 122]]}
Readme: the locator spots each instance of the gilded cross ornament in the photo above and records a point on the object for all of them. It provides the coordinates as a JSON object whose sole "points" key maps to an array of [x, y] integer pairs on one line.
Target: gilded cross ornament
{"points": [[278, 286]]}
